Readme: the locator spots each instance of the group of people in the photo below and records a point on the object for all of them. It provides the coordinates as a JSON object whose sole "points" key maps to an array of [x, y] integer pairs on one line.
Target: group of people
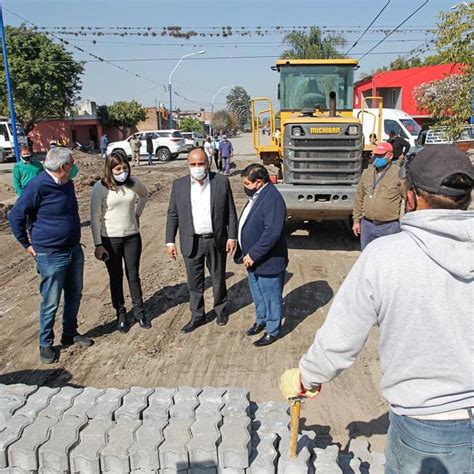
{"points": [[220, 152], [415, 283]]}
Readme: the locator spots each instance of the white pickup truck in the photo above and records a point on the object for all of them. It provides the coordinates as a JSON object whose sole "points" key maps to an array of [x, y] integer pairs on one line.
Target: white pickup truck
{"points": [[7, 149]]}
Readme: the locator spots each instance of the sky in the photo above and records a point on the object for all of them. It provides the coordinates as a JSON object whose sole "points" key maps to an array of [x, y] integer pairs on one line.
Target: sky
{"points": [[235, 60]]}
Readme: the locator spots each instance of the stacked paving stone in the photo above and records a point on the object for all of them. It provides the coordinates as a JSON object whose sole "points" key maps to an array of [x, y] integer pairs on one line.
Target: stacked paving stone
{"points": [[142, 430]]}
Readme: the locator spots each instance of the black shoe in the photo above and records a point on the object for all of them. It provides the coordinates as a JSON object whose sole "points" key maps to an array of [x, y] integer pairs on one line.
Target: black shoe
{"points": [[122, 323], [78, 339], [222, 319], [255, 329], [265, 340], [144, 322], [47, 355], [192, 325]]}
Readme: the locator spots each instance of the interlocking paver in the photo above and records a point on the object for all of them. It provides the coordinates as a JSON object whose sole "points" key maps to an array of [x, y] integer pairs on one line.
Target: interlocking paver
{"points": [[264, 455], [299, 465], [159, 403], [84, 458], [83, 402], [172, 452], [202, 448], [234, 450], [16, 390], [107, 404], [144, 452], [133, 404], [54, 454], [60, 402], [37, 401], [114, 456], [12, 433], [24, 452]]}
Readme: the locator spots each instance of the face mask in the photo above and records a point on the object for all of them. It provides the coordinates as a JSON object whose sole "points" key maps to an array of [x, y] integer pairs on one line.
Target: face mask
{"points": [[380, 162], [122, 177], [199, 172], [26, 157], [250, 192]]}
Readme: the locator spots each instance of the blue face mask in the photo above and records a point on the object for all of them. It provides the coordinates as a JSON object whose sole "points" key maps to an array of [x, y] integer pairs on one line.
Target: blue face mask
{"points": [[380, 162]]}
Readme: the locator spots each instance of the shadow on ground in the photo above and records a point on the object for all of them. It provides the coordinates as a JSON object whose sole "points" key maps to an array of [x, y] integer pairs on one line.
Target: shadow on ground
{"points": [[46, 377]]}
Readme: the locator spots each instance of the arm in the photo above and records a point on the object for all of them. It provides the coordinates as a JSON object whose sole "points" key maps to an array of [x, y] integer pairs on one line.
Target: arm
{"points": [[358, 201], [353, 313], [274, 217], [26, 205], [16, 180], [142, 193], [406, 147], [96, 213], [232, 225], [172, 220]]}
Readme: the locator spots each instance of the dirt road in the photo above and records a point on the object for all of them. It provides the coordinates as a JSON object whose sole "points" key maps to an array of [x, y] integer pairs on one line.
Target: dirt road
{"points": [[319, 260]]}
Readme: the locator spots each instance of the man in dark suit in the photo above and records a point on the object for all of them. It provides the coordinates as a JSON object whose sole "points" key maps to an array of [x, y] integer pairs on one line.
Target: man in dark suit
{"points": [[202, 208], [262, 248]]}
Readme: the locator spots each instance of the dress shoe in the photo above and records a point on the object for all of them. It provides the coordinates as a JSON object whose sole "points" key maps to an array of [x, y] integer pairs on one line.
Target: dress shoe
{"points": [[265, 340], [144, 323], [222, 319], [47, 355], [78, 339], [255, 329], [192, 325], [122, 323]]}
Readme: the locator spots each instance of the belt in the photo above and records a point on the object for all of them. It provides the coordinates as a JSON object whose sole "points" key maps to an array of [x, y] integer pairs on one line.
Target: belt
{"points": [[379, 222], [205, 236], [461, 414]]}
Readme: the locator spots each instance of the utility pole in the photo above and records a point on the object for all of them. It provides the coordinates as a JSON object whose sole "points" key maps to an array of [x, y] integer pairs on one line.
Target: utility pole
{"points": [[9, 85]]}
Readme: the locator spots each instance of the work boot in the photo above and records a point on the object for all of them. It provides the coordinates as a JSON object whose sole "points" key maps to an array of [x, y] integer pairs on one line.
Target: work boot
{"points": [[47, 355]]}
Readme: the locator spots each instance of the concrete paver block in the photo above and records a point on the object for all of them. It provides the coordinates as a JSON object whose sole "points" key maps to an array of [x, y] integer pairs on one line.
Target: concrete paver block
{"points": [[12, 433], [172, 452], [236, 402], [264, 455], [300, 464], [326, 460], [360, 449], [8, 406], [133, 404], [114, 456], [159, 403], [83, 402], [24, 452], [377, 458], [212, 394], [17, 390], [234, 450], [144, 452], [106, 404], [202, 448], [37, 401], [64, 436], [85, 458], [186, 393], [60, 402]]}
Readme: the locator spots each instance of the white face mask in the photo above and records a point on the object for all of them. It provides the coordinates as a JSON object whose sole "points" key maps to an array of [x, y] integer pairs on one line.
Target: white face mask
{"points": [[122, 177], [198, 172]]}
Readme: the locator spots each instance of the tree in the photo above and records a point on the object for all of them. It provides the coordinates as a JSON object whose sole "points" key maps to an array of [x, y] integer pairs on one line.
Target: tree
{"points": [[313, 45], [221, 120], [121, 114], [238, 102], [46, 80], [189, 124]]}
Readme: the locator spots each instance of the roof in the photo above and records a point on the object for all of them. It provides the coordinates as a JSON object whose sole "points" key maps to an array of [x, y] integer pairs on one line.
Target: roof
{"points": [[309, 62]]}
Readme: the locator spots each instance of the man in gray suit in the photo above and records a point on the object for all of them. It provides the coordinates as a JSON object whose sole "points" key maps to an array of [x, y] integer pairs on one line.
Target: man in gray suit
{"points": [[202, 208]]}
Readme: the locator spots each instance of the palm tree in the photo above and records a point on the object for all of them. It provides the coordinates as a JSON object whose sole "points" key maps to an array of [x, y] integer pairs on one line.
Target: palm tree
{"points": [[313, 45]]}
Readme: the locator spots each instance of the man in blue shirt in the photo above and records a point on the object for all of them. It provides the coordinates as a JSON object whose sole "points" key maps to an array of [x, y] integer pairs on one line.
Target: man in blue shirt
{"points": [[226, 152], [104, 141], [49, 204]]}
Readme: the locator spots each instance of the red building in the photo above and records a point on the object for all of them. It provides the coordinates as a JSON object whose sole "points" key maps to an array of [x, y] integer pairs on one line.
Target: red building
{"points": [[396, 87]]}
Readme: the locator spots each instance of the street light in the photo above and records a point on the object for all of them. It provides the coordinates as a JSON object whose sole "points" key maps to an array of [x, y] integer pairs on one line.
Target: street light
{"points": [[169, 81], [212, 104]]}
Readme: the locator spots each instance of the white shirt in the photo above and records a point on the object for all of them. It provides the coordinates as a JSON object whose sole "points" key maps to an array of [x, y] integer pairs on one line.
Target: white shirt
{"points": [[246, 212], [208, 149], [201, 206]]}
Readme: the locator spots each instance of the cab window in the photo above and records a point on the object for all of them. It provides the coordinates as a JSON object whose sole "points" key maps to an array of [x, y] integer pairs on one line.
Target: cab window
{"points": [[393, 125]]}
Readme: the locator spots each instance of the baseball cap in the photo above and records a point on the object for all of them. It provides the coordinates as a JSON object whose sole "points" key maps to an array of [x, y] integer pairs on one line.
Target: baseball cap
{"points": [[382, 148], [429, 169]]}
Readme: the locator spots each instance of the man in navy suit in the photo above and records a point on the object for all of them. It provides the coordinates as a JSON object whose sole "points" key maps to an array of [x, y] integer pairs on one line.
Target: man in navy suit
{"points": [[262, 248]]}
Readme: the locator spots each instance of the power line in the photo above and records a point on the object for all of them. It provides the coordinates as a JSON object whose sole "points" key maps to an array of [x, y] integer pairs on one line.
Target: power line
{"points": [[367, 29], [395, 29]]}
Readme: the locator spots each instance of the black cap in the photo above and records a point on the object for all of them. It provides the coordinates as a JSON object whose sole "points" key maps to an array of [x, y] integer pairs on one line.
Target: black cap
{"points": [[429, 169]]}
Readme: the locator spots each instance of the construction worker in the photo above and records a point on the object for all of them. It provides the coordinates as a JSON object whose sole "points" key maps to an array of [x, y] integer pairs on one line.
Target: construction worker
{"points": [[401, 147], [25, 170], [417, 287], [378, 199], [135, 145]]}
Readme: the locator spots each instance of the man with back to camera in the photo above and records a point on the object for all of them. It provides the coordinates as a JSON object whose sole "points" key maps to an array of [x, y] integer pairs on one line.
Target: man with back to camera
{"points": [[417, 286], [50, 207], [401, 147], [202, 209]]}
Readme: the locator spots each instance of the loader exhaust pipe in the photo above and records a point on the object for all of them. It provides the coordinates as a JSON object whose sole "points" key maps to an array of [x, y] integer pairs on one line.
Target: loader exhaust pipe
{"points": [[332, 104]]}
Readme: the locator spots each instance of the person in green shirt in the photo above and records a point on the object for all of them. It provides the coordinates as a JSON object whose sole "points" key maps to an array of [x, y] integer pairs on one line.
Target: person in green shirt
{"points": [[25, 170]]}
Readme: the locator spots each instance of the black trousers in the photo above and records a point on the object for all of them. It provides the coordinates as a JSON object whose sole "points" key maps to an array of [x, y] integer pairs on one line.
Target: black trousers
{"points": [[125, 249], [206, 253], [217, 161]]}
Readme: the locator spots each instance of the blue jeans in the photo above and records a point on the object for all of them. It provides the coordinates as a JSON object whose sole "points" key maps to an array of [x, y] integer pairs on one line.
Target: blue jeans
{"points": [[370, 231], [429, 447], [267, 295], [226, 164], [103, 152], [150, 158], [60, 271]]}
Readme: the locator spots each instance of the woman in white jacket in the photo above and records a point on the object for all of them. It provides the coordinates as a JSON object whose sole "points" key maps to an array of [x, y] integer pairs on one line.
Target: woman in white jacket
{"points": [[117, 201]]}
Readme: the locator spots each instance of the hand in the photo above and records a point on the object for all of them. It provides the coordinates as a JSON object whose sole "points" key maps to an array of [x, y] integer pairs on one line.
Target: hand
{"points": [[291, 386], [248, 262], [230, 246], [401, 157], [356, 229], [31, 251], [171, 250], [99, 252]]}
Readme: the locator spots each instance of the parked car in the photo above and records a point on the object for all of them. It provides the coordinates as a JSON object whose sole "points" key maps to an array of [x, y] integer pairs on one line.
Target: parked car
{"points": [[167, 144], [193, 140]]}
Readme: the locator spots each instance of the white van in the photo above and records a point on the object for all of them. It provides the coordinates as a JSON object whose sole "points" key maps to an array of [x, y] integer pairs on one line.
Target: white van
{"points": [[392, 119], [7, 148]]}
